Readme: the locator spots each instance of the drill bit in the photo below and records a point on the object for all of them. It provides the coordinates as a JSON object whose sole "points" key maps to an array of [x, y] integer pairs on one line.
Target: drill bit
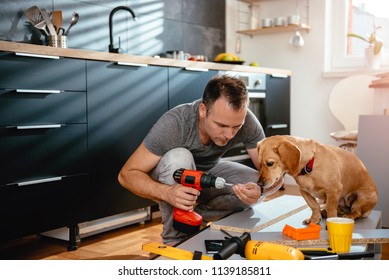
{"points": [[221, 183]]}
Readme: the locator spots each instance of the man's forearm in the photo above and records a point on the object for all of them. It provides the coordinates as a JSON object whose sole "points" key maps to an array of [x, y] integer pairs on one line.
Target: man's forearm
{"points": [[142, 185]]}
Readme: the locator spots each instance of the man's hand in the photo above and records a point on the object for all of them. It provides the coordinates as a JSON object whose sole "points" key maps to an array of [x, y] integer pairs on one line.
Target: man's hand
{"points": [[248, 193], [182, 197]]}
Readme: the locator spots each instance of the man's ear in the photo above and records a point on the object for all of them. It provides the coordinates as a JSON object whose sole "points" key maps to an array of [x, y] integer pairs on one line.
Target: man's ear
{"points": [[290, 155], [202, 110]]}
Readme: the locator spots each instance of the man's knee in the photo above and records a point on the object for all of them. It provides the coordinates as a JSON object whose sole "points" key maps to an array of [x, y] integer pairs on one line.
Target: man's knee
{"points": [[178, 158], [171, 161]]}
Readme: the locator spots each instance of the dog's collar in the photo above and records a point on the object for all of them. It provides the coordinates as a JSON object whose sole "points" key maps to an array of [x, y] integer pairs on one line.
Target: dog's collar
{"points": [[308, 168]]}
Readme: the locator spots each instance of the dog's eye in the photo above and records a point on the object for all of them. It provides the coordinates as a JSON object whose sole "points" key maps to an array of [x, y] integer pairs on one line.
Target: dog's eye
{"points": [[269, 163]]}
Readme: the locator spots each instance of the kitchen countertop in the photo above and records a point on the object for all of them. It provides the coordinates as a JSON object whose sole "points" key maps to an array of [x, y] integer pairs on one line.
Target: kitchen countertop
{"points": [[128, 58]]}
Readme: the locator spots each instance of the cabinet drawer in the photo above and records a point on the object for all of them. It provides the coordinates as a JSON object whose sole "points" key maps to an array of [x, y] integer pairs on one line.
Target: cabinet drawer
{"points": [[41, 108], [41, 73], [37, 208], [31, 153]]}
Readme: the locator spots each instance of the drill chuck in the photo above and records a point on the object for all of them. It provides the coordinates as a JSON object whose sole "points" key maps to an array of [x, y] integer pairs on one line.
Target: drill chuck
{"points": [[221, 183]]}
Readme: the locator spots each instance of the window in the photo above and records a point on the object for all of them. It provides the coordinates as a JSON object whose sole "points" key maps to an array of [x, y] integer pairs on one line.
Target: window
{"points": [[355, 16]]}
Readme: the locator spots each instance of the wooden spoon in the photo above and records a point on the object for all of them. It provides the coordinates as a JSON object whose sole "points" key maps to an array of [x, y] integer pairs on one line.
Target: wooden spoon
{"points": [[56, 18]]}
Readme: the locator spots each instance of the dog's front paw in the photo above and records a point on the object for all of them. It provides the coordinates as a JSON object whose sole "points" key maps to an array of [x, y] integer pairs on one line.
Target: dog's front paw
{"points": [[354, 215], [323, 213], [312, 220]]}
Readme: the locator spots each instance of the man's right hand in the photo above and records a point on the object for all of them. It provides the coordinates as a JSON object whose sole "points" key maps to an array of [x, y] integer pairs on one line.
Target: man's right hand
{"points": [[182, 197]]}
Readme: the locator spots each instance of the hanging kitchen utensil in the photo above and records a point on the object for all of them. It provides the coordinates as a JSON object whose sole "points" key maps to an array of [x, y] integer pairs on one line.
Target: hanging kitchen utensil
{"points": [[56, 18], [73, 21], [42, 26], [34, 16], [49, 24], [297, 40], [60, 32]]}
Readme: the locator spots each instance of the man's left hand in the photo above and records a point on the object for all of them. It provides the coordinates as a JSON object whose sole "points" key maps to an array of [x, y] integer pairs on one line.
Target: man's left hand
{"points": [[248, 193]]}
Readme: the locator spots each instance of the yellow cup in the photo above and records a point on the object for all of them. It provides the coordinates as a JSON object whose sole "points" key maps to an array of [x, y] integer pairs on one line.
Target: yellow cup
{"points": [[340, 232]]}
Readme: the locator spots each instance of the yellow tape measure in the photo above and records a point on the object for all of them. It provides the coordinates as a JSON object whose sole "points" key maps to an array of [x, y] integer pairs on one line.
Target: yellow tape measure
{"points": [[170, 252]]}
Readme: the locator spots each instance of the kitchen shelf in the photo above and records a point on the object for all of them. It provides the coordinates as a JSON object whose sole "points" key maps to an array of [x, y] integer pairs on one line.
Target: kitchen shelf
{"points": [[276, 29], [246, 11]]}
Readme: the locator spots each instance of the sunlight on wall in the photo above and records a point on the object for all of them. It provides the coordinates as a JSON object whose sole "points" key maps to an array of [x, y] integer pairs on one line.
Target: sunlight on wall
{"points": [[140, 37]]}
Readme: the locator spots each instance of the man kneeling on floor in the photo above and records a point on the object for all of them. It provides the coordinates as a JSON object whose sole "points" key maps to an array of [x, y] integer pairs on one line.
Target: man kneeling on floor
{"points": [[195, 136]]}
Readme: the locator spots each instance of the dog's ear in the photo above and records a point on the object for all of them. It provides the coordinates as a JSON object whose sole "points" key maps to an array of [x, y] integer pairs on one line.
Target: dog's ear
{"points": [[290, 155]]}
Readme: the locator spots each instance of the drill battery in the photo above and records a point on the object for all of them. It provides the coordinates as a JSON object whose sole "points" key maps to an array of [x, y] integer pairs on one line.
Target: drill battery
{"points": [[188, 222]]}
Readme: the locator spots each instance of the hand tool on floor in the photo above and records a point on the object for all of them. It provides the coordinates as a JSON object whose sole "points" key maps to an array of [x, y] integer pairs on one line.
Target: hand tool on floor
{"points": [[318, 254], [256, 250], [172, 252], [189, 222]]}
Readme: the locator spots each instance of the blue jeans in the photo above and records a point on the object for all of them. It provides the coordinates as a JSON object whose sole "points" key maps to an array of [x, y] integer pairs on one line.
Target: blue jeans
{"points": [[213, 203]]}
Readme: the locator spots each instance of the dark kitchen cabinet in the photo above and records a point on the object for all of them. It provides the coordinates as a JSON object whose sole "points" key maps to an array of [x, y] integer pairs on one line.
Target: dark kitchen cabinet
{"points": [[43, 143], [123, 104], [187, 85], [277, 105], [23, 71]]}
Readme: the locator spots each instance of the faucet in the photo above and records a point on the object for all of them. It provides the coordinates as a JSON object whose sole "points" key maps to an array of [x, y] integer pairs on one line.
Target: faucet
{"points": [[114, 10]]}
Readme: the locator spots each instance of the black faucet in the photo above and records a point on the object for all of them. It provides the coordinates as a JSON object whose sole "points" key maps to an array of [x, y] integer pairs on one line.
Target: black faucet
{"points": [[114, 10]]}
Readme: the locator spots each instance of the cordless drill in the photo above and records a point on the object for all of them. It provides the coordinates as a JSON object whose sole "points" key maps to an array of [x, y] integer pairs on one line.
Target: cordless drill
{"points": [[189, 222], [256, 250]]}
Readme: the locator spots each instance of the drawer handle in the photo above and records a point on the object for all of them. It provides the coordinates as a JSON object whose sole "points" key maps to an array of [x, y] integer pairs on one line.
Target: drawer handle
{"points": [[196, 69], [39, 181], [43, 126], [278, 126], [258, 95], [37, 55], [279, 75], [47, 91], [132, 64]]}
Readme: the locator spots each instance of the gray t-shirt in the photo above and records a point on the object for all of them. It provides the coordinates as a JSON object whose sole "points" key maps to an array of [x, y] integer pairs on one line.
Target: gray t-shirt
{"points": [[179, 128]]}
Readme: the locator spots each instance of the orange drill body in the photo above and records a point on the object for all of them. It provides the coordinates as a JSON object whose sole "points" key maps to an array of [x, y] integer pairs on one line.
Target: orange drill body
{"points": [[188, 178], [189, 222]]}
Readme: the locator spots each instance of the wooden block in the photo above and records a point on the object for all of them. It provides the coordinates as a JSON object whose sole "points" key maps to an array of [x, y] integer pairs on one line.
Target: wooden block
{"points": [[365, 236], [262, 215]]}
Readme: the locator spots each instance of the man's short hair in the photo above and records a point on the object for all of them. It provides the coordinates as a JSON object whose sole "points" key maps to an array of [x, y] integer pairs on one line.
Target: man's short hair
{"points": [[229, 87]]}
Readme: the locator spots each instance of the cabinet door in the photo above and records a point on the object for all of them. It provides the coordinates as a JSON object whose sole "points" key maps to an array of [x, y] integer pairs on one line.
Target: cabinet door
{"points": [[22, 108], [186, 85], [277, 105], [40, 207], [123, 104], [23, 72], [43, 143], [32, 152]]}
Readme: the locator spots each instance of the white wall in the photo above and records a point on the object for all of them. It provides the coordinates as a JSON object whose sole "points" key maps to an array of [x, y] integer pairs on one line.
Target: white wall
{"points": [[310, 115]]}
